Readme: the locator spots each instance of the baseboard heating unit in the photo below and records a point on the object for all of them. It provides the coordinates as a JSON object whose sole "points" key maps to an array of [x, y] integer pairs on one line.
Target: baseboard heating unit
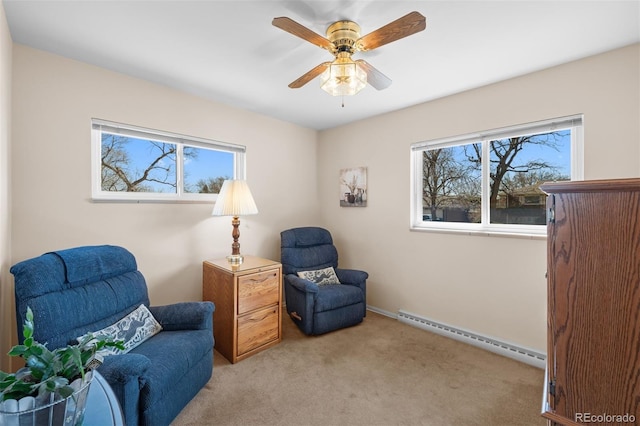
{"points": [[525, 355]]}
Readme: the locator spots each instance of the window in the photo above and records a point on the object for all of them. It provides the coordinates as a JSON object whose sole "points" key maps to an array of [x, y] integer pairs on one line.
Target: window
{"points": [[454, 189], [137, 164]]}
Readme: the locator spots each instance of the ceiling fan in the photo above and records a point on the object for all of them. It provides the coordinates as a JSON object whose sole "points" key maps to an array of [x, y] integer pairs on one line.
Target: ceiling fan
{"points": [[344, 76]]}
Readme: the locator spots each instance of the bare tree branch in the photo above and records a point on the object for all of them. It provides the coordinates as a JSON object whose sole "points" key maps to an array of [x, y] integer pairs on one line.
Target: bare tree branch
{"points": [[116, 166]]}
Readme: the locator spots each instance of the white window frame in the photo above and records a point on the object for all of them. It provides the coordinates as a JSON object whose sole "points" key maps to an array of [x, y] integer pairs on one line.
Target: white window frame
{"points": [[574, 122], [97, 194]]}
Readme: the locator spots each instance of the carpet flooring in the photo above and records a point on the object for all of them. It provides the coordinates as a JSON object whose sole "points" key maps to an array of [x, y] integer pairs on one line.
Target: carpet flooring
{"points": [[381, 372]]}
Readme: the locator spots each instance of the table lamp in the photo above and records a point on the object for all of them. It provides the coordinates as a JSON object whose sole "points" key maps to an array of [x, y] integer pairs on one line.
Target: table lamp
{"points": [[234, 200]]}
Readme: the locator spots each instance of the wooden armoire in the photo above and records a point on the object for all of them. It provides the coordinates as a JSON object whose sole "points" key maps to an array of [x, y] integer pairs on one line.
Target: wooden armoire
{"points": [[593, 353]]}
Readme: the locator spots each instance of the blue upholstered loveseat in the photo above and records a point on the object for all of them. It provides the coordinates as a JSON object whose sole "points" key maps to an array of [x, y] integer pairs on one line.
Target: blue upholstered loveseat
{"points": [[86, 289]]}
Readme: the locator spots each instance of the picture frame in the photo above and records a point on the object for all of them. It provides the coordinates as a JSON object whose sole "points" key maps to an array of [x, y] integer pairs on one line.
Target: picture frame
{"points": [[353, 187]]}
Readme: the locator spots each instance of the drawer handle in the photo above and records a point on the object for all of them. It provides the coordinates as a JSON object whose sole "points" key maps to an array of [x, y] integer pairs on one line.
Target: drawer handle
{"points": [[255, 281], [265, 315]]}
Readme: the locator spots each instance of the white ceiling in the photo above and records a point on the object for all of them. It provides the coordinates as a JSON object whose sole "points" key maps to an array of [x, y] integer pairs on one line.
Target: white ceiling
{"points": [[229, 52]]}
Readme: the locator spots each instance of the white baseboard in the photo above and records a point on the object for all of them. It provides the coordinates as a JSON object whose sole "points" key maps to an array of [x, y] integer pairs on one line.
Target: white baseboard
{"points": [[382, 312], [499, 347]]}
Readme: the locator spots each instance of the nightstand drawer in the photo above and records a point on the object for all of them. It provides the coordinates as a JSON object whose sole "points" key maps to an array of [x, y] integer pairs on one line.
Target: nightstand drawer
{"points": [[257, 328], [258, 290]]}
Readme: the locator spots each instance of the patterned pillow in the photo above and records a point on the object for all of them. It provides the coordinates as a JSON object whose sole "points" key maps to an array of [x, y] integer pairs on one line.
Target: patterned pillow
{"points": [[133, 329], [324, 276]]}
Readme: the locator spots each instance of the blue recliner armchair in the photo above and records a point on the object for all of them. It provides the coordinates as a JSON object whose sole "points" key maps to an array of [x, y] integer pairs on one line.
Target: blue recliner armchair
{"points": [[86, 289], [318, 309]]}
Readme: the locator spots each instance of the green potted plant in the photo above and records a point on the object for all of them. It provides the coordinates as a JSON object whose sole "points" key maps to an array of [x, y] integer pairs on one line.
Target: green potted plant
{"points": [[57, 379]]}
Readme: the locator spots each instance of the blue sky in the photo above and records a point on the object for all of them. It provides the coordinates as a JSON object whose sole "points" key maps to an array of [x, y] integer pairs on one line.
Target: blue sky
{"points": [[208, 163], [559, 157]]}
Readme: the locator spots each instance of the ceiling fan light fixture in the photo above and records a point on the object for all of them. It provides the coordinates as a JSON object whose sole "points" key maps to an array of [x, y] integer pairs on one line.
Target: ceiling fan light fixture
{"points": [[343, 77]]}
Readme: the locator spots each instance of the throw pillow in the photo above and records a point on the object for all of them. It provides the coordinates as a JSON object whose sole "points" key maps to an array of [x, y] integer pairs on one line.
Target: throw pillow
{"points": [[133, 329], [324, 276]]}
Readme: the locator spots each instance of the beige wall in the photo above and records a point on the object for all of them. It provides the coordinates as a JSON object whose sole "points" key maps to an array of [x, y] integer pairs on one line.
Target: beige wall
{"points": [[6, 287], [54, 100], [491, 285]]}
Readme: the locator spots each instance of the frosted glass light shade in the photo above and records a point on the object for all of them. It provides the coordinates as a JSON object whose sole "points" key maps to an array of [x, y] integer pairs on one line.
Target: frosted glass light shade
{"points": [[234, 199], [343, 78]]}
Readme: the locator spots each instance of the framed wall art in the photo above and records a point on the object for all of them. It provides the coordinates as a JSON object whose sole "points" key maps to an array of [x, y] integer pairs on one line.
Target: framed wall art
{"points": [[353, 187]]}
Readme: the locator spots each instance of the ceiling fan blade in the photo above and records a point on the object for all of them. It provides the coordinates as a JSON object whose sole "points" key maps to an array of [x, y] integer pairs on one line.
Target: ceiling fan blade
{"points": [[409, 24], [375, 78], [292, 27], [310, 75]]}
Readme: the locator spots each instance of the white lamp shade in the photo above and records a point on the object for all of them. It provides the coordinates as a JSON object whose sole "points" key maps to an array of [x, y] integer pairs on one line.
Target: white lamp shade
{"points": [[234, 199]]}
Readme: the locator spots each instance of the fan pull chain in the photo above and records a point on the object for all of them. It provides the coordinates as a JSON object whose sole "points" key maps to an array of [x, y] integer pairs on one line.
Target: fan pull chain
{"points": [[342, 101]]}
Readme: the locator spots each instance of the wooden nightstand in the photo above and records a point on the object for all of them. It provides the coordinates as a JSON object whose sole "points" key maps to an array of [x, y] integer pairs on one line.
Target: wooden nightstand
{"points": [[248, 299]]}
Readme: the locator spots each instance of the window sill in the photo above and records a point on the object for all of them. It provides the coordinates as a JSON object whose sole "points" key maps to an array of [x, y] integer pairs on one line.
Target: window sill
{"points": [[149, 201], [483, 232]]}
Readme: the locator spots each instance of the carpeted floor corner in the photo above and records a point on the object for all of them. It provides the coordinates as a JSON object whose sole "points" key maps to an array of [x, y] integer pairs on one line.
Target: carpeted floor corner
{"points": [[381, 372]]}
